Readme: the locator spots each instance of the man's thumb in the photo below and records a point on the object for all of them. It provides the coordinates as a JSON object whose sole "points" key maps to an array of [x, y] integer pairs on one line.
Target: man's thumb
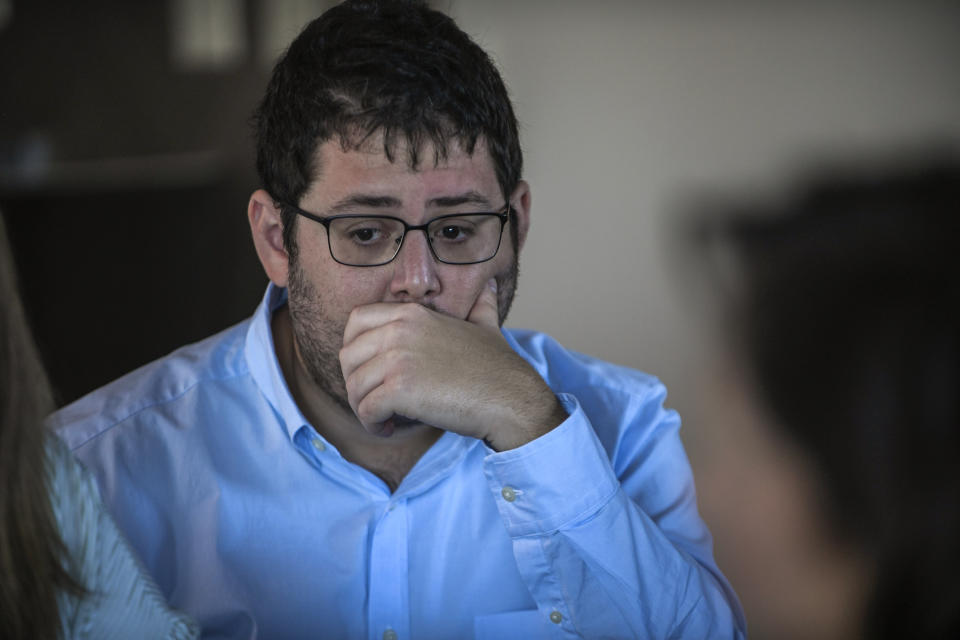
{"points": [[485, 311]]}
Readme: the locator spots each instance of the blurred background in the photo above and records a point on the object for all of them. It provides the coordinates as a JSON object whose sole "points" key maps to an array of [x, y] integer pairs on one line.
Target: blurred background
{"points": [[126, 162]]}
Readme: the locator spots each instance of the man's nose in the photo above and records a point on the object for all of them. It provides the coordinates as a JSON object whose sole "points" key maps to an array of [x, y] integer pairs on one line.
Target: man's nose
{"points": [[415, 275]]}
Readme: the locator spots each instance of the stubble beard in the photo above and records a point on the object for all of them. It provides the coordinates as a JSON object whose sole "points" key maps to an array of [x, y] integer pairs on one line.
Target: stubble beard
{"points": [[319, 337]]}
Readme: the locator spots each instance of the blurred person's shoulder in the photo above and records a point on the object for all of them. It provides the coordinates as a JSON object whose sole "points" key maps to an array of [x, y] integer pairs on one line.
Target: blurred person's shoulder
{"points": [[155, 387], [121, 599]]}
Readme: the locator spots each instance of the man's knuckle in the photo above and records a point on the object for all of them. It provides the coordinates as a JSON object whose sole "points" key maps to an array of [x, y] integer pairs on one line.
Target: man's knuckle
{"points": [[395, 333], [350, 383], [398, 384], [364, 412], [395, 359]]}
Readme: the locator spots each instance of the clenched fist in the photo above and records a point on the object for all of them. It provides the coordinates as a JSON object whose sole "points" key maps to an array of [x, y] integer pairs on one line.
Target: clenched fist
{"points": [[402, 359]]}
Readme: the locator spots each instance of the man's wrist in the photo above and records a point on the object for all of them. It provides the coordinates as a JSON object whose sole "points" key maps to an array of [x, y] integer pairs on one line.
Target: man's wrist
{"points": [[533, 424]]}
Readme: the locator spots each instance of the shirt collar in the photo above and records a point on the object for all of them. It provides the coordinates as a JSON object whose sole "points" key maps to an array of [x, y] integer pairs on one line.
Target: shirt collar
{"points": [[261, 357]]}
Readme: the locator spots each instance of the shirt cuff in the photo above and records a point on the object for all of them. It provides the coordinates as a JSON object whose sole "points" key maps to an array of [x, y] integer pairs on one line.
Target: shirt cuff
{"points": [[560, 478]]}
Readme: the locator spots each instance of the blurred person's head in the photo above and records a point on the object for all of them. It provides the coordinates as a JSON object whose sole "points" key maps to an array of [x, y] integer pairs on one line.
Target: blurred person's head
{"points": [[847, 324], [393, 73], [32, 555]]}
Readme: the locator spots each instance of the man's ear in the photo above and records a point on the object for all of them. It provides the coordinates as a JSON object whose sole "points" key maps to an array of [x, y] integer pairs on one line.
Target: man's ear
{"points": [[267, 229], [520, 201]]}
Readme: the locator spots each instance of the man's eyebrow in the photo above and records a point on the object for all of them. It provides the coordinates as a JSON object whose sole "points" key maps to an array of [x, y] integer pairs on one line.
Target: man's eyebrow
{"points": [[356, 201], [468, 197], [365, 201]]}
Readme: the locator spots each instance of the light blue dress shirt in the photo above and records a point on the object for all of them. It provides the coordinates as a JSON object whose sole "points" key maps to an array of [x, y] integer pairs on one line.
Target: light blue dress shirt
{"points": [[258, 527]]}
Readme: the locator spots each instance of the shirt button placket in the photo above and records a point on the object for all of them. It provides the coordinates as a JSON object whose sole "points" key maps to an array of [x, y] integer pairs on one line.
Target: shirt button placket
{"points": [[389, 580]]}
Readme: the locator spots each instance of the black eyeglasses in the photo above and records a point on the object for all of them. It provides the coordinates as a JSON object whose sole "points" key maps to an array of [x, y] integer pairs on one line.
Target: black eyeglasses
{"points": [[361, 240]]}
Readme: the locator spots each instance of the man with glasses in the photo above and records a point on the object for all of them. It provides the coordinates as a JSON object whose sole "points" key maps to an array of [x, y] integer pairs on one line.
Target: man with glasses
{"points": [[370, 456]]}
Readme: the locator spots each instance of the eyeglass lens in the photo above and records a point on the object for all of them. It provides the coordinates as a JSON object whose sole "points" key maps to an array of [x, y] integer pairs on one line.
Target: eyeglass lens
{"points": [[458, 239]]}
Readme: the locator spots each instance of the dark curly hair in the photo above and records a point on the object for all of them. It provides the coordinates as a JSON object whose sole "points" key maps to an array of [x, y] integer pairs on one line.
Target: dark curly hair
{"points": [[850, 322], [390, 67]]}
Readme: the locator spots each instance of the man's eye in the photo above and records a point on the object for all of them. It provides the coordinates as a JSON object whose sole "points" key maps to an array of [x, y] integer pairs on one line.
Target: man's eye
{"points": [[365, 235], [451, 232], [454, 232]]}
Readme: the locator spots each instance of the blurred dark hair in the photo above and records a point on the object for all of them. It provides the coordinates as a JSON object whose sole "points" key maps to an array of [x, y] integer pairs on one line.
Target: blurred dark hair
{"points": [[390, 67], [849, 318], [32, 555]]}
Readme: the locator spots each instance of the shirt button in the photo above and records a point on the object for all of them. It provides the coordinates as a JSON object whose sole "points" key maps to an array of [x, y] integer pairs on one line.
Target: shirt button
{"points": [[556, 617], [508, 494], [389, 634], [318, 444]]}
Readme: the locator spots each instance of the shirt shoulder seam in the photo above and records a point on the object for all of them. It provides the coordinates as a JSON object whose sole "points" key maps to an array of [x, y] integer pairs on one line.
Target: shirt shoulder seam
{"points": [[155, 403]]}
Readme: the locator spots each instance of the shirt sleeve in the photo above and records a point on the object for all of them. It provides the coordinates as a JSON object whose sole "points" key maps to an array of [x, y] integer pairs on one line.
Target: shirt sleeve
{"points": [[612, 555], [122, 601]]}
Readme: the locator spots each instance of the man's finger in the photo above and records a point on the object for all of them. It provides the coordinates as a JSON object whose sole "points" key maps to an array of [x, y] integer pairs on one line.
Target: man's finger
{"points": [[377, 412], [370, 316], [364, 347], [485, 311], [363, 379]]}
